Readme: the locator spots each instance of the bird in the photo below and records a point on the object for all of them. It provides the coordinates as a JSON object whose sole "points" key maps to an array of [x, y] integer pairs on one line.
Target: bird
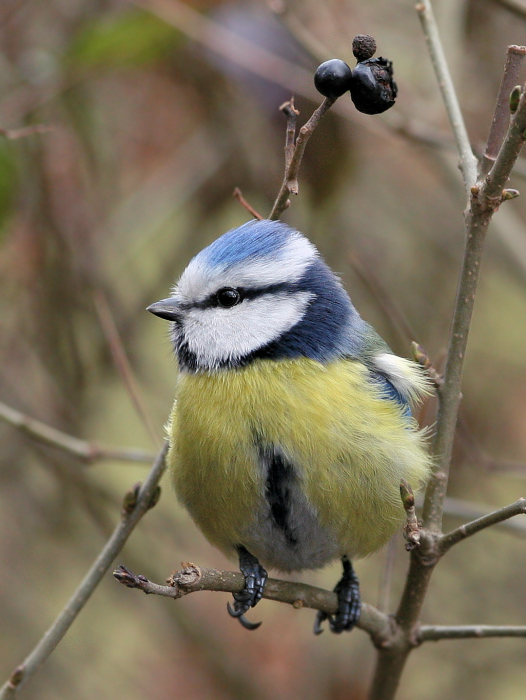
{"points": [[292, 427]]}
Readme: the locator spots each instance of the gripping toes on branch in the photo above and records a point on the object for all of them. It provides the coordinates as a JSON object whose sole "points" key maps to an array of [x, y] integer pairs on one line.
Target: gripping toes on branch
{"points": [[255, 579], [349, 603]]}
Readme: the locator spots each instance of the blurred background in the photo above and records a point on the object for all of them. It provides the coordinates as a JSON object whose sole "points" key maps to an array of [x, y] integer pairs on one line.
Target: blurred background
{"points": [[125, 127]]}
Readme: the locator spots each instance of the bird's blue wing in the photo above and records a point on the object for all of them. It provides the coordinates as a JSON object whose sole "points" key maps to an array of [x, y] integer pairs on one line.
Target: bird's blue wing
{"points": [[390, 392]]}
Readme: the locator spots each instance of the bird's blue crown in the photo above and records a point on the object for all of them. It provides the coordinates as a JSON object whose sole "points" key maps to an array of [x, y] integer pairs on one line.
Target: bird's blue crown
{"points": [[252, 241]]}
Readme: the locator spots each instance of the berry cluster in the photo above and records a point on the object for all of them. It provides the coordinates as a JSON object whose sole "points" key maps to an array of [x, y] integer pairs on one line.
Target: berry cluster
{"points": [[371, 83]]}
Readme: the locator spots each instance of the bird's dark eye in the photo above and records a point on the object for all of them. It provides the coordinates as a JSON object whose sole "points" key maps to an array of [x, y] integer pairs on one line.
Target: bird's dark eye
{"points": [[228, 296]]}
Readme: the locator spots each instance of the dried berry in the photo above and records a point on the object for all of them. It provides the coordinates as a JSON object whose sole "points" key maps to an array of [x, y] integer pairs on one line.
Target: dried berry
{"points": [[373, 89], [363, 47], [333, 78]]}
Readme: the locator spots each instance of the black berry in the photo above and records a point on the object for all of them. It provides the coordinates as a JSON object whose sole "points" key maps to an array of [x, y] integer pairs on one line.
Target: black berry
{"points": [[373, 89], [333, 78]]}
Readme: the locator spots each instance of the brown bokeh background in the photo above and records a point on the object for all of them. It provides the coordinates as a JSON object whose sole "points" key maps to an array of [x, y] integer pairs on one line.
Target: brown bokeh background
{"points": [[151, 126]]}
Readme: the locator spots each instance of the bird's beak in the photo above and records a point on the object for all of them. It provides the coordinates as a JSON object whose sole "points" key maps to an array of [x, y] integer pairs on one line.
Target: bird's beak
{"points": [[166, 308]]}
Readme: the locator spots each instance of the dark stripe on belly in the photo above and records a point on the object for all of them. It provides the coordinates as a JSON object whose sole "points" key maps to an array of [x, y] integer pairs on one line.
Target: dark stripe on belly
{"points": [[280, 474]]}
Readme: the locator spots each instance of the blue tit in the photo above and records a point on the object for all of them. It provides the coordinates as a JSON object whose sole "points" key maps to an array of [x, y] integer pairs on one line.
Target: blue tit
{"points": [[292, 427]]}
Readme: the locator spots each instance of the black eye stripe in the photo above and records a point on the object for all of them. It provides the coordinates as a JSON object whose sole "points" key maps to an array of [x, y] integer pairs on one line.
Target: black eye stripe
{"points": [[251, 293]]}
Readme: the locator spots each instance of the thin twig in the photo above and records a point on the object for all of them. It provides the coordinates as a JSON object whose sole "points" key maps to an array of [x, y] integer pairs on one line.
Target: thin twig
{"points": [[501, 117], [86, 451], [24, 131], [193, 578], [435, 633], [463, 510], [121, 361], [290, 179], [468, 162], [460, 533], [306, 132], [102, 563], [292, 114], [239, 196]]}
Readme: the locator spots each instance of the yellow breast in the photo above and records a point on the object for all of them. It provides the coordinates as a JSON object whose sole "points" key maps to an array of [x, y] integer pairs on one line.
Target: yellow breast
{"points": [[349, 447]]}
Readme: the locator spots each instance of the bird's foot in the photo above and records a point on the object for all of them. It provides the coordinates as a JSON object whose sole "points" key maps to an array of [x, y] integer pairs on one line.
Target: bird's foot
{"points": [[349, 603], [255, 579]]}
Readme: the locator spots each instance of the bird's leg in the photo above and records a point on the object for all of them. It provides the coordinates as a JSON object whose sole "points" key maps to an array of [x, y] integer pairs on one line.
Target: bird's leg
{"points": [[255, 578], [349, 603]]}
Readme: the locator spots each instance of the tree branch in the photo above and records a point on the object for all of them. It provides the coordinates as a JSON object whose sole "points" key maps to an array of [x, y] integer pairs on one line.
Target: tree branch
{"points": [[485, 199], [458, 508], [86, 451], [435, 633], [460, 533], [133, 512], [193, 578]]}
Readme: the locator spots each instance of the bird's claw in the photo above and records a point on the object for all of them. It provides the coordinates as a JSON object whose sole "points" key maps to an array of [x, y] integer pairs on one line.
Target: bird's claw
{"points": [[255, 579], [320, 618], [349, 603], [240, 614]]}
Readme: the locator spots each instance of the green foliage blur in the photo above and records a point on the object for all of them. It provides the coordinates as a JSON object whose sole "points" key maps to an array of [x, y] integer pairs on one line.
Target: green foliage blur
{"points": [[125, 129]]}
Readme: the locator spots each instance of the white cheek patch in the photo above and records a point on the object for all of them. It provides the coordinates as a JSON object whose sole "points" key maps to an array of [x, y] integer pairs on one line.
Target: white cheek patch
{"points": [[406, 376], [198, 281], [216, 334]]}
